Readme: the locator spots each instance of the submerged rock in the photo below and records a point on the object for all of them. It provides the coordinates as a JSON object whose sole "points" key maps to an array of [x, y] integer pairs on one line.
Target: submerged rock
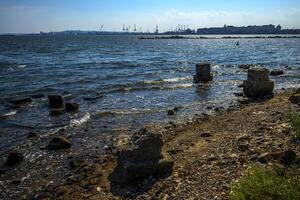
{"points": [[203, 74], [245, 66], [58, 143], [57, 111], [31, 134], [92, 98], [141, 157], [276, 72], [72, 107], [56, 101], [37, 96], [21, 101], [258, 83], [13, 158]]}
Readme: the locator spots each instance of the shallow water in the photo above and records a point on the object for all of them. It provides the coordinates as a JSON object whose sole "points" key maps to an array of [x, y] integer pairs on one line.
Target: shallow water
{"points": [[139, 80]]}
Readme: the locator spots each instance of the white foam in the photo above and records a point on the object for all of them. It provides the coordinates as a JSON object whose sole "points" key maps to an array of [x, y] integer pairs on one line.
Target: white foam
{"points": [[22, 66], [11, 113], [78, 122]]}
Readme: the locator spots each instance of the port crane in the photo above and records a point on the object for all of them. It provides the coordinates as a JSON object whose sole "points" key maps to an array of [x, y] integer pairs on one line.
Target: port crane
{"points": [[101, 28]]}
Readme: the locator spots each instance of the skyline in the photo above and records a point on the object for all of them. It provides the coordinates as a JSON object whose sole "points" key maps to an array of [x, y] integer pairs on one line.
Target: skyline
{"points": [[32, 16]]}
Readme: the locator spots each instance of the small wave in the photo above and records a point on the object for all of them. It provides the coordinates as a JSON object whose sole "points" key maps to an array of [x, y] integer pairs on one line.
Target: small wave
{"points": [[155, 87], [22, 66], [168, 80], [9, 114], [123, 112], [78, 122]]}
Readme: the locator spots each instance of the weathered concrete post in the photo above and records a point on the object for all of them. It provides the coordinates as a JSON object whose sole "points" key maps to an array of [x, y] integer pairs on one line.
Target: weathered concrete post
{"points": [[258, 83], [141, 157], [203, 73]]}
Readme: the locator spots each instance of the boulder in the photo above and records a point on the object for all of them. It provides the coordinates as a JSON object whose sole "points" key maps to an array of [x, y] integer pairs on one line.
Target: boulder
{"points": [[21, 101], [13, 158], [58, 143], [295, 98], [56, 101], [258, 83], [276, 72], [140, 158], [72, 107], [203, 74]]}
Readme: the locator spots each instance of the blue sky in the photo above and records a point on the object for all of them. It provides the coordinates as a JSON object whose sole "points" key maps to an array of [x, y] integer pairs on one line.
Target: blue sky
{"points": [[25, 16]]}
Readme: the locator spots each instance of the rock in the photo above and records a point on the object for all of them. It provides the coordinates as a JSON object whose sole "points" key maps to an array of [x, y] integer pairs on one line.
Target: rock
{"points": [[295, 98], [258, 83], [243, 100], [262, 158], [71, 107], [15, 182], [140, 158], [241, 85], [238, 94], [57, 111], [56, 101], [75, 162], [31, 134], [243, 147], [203, 74], [58, 143], [171, 112], [243, 138], [211, 157], [13, 158], [245, 66], [289, 157], [21, 101], [92, 98], [276, 72], [253, 157], [37, 96], [205, 134]]}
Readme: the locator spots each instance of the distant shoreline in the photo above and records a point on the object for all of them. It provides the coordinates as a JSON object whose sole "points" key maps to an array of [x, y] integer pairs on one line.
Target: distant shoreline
{"points": [[225, 37]]}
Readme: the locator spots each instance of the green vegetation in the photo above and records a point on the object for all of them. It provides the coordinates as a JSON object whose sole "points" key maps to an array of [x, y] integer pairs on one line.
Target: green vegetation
{"points": [[295, 122], [267, 183]]}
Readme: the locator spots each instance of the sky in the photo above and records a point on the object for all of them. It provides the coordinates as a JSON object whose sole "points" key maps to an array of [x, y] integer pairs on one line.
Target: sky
{"points": [[32, 16]]}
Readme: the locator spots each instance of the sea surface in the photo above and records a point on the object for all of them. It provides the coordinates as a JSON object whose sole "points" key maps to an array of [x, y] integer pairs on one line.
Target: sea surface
{"points": [[132, 82]]}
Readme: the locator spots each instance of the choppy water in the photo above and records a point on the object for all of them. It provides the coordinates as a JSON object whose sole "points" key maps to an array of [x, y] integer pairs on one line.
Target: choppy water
{"points": [[138, 79]]}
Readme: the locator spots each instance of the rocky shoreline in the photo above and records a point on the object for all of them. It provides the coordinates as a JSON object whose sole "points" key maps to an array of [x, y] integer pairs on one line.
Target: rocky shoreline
{"points": [[209, 153]]}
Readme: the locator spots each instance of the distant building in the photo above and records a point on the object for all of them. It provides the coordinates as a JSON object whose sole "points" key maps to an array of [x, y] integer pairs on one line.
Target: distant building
{"points": [[265, 29]]}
